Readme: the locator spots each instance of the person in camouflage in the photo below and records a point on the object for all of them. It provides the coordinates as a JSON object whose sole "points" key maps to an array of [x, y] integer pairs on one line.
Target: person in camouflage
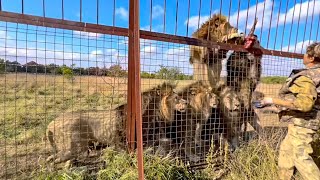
{"points": [[299, 104]]}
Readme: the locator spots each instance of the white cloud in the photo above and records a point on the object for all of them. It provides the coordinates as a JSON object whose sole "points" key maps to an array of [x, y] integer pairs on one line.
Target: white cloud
{"points": [[23, 54], [261, 10], [300, 47], [123, 13], [154, 28], [123, 42], [89, 35], [279, 66], [148, 53], [3, 33], [303, 10], [149, 49], [97, 53], [178, 57], [194, 21], [157, 11]]}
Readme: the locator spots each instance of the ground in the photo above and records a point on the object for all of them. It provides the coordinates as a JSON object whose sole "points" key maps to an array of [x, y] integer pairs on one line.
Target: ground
{"points": [[28, 102]]}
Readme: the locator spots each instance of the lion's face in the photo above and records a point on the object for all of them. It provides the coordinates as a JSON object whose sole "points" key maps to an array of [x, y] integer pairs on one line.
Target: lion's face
{"points": [[222, 30], [213, 100], [231, 105], [178, 103]]}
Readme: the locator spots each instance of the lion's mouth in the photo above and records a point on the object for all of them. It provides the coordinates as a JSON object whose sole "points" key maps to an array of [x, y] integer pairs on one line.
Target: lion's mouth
{"points": [[232, 36]]}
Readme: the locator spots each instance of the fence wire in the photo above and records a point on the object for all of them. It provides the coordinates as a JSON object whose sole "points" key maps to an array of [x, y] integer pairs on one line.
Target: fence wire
{"points": [[64, 80], [48, 74]]}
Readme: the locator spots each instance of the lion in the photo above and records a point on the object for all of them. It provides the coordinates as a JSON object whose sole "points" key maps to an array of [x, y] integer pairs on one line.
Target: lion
{"points": [[160, 112], [206, 61], [188, 126], [230, 107], [72, 134], [243, 75]]}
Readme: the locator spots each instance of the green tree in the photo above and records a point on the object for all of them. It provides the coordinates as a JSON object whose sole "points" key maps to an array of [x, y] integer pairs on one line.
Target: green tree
{"points": [[168, 73], [2, 66], [147, 75], [116, 71], [67, 72]]}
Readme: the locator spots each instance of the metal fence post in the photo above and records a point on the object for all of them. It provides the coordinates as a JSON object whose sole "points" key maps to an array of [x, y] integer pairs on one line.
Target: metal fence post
{"points": [[134, 85]]}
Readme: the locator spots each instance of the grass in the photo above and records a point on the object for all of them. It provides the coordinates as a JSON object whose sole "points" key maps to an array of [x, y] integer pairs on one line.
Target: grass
{"points": [[28, 102], [273, 80], [255, 160]]}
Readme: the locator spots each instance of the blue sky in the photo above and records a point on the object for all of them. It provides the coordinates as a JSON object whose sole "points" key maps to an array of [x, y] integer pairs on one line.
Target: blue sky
{"points": [[281, 29]]}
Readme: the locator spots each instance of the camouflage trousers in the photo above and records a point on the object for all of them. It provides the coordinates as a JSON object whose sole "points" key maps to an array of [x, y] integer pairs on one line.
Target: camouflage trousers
{"points": [[295, 151]]}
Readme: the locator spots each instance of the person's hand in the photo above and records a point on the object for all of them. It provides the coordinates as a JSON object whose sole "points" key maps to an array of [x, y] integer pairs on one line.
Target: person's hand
{"points": [[267, 101]]}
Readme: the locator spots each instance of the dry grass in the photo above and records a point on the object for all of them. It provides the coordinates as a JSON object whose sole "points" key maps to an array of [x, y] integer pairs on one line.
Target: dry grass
{"points": [[28, 102]]}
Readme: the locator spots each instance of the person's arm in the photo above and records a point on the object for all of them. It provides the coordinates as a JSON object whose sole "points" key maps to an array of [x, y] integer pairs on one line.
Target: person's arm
{"points": [[306, 95]]}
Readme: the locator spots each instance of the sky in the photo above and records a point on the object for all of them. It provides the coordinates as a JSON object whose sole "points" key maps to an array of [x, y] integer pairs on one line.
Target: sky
{"points": [[288, 25]]}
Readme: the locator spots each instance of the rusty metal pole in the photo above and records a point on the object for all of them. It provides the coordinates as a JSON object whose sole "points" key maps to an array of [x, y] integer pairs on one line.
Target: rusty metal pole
{"points": [[134, 85]]}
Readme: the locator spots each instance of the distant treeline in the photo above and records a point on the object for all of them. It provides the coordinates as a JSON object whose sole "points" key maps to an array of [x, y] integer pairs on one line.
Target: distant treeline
{"points": [[113, 71], [273, 80]]}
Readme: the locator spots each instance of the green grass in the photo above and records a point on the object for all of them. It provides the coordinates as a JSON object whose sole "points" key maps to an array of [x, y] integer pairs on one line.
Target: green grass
{"points": [[29, 102], [273, 80]]}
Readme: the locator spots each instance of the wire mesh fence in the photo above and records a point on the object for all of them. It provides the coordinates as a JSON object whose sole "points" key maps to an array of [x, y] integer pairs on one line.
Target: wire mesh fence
{"points": [[65, 79], [54, 75]]}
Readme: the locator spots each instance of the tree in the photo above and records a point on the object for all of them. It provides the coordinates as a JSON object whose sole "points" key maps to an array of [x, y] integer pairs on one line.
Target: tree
{"points": [[52, 68], [67, 72], [168, 72], [116, 71], [2, 66]]}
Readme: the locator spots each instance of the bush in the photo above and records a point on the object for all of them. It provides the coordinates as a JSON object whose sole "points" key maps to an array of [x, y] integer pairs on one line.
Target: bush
{"points": [[67, 72]]}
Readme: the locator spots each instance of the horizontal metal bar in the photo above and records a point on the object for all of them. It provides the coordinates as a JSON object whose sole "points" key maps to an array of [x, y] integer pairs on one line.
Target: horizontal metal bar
{"points": [[63, 24], [95, 28], [205, 43]]}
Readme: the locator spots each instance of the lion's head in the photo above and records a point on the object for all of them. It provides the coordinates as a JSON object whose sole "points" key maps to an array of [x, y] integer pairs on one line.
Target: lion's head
{"points": [[200, 98], [216, 29]]}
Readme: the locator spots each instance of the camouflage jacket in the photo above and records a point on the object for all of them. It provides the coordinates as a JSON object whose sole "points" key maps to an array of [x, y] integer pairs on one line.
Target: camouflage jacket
{"points": [[302, 87]]}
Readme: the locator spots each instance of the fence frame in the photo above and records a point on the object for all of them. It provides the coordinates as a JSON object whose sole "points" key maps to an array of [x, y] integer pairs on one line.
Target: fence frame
{"points": [[134, 124]]}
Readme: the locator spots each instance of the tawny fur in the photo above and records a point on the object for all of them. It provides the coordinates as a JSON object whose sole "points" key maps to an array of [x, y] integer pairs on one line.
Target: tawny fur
{"points": [[243, 68], [206, 61], [230, 108], [160, 112], [201, 101], [215, 28], [72, 133]]}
